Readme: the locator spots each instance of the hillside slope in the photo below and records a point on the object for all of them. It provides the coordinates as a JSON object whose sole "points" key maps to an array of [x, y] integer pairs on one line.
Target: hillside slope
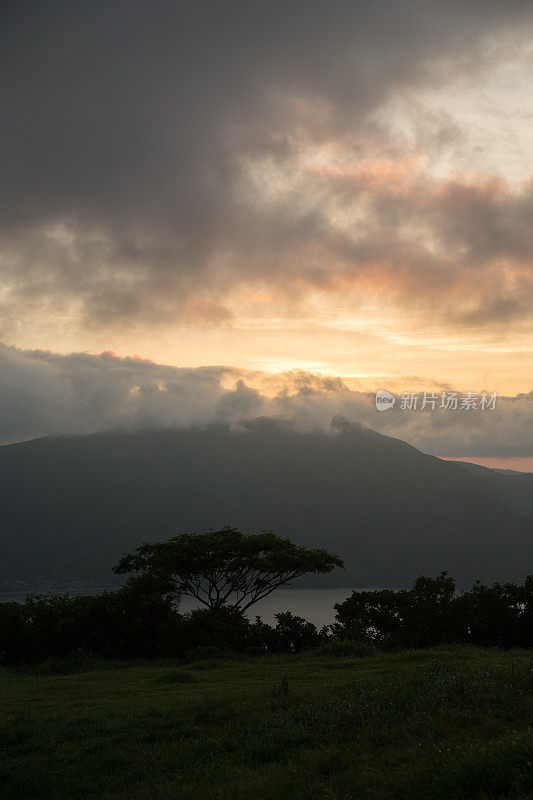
{"points": [[70, 506]]}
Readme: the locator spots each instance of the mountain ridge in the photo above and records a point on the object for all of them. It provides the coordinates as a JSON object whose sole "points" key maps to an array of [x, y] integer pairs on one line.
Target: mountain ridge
{"points": [[71, 505]]}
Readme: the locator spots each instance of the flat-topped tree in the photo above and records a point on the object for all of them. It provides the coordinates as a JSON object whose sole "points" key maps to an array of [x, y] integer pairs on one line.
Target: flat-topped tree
{"points": [[227, 567]]}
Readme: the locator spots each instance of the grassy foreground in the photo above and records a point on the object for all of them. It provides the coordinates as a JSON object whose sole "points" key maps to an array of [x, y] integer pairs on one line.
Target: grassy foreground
{"points": [[441, 723]]}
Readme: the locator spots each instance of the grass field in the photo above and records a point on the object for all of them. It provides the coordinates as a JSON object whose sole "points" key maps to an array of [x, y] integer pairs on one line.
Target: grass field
{"points": [[442, 723]]}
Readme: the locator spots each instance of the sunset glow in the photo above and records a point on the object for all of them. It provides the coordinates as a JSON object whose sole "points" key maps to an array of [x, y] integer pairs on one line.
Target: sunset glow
{"points": [[361, 213]]}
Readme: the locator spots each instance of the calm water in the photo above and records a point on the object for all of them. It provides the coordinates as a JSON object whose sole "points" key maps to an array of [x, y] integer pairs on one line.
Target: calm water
{"points": [[315, 605]]}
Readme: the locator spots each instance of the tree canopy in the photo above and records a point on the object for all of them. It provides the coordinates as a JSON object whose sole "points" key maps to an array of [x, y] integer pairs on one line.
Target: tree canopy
{"points": [[227, 567], [432, 613]]}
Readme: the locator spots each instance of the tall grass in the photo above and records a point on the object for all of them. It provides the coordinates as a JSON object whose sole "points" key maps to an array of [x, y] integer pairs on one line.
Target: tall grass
{"points": [[444, 723]]}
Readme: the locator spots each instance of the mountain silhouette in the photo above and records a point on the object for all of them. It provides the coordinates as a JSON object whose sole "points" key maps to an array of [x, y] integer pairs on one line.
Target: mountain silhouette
{"points": [[70, 506]]}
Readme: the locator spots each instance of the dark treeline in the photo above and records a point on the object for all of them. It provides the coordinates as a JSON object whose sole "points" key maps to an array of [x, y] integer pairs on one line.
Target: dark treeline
{"points": [[141, 620], [500, 615]]}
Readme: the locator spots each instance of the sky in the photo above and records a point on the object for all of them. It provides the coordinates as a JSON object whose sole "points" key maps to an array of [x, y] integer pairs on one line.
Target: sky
{"points": [[295, 202]]}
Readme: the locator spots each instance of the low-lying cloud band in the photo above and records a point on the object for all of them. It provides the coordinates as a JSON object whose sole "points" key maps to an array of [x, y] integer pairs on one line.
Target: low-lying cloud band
{"points": [[43, 393]]}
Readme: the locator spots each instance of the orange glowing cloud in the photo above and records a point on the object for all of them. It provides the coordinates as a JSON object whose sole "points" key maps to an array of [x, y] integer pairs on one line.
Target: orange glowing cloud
{"points": [[367, 175]]}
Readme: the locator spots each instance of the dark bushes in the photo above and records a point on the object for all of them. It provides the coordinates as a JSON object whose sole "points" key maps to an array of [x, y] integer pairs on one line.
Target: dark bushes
{"points": [[138, 621], [132, 622], [432, 613], [142, 621]]}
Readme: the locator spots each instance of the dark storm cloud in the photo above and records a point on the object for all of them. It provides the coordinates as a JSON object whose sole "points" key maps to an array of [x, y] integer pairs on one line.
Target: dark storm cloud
{"points": [[44, 393], [125, 124]]}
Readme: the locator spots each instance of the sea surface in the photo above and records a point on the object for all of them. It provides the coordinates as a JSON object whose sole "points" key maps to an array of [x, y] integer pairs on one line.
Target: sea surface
{"points": [[314, 605]]}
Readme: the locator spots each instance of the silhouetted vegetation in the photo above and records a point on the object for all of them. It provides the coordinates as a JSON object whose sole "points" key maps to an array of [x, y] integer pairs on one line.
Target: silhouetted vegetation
{"points": [[226, 568], [432, 613], [141, 620]]}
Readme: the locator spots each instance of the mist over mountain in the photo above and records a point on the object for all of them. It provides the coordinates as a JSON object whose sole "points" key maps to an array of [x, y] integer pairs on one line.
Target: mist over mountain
{"points": [[71, 505]]}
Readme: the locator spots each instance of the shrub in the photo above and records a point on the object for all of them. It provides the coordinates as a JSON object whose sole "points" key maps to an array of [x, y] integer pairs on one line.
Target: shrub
{"points": [[431, 613]]}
